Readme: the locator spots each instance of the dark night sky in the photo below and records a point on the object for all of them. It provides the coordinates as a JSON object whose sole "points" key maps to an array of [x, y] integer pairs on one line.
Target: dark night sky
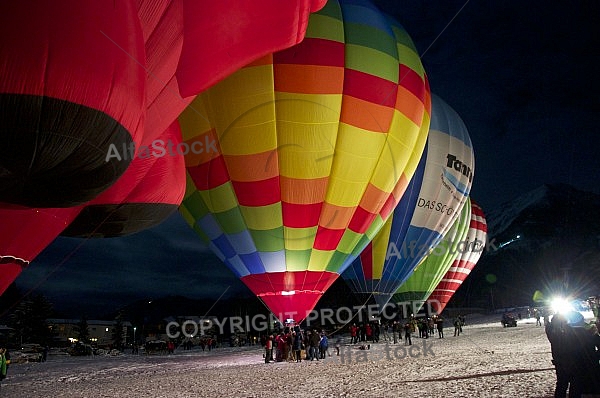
{"points": [[523, 76], [524, 79]]}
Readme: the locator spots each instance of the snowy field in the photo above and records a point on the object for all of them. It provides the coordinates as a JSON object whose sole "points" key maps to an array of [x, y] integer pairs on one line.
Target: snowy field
{"points": [[487, 360]]}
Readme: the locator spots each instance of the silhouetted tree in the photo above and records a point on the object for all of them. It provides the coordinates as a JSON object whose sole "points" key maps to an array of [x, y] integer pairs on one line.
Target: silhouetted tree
{"points": [[82, 330], [9, 300], [29, 321], [117, 333]]}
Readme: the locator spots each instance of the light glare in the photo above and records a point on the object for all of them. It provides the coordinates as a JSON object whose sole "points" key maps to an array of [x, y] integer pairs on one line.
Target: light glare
{"points": [[560, 305]]}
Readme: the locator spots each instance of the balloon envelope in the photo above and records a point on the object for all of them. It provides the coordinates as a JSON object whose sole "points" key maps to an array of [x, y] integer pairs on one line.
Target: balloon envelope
{"points": [[191, 45], [223, 36], [70, 87], [150, 190], [428, 208], [434, 266], [308, 151], [24, 233], [470, 253]]}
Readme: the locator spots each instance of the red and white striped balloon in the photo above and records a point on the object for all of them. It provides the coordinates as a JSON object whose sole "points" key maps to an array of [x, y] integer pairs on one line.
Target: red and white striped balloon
{"points": [[465, 262]]}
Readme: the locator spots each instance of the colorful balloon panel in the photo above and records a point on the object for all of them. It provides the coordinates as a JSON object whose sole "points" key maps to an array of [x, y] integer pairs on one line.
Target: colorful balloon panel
{"points": [[222, 36], [364, 275], [24, 233], [469, 255], [313, 146], [150, 190], [429, 207], [70, 86], [434, 266]]}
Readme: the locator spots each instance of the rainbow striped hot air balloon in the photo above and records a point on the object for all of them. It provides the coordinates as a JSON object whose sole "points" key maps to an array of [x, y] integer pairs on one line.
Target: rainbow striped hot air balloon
{"points": [[427, 210], [470, 253], [434, 266], [305, 152]]}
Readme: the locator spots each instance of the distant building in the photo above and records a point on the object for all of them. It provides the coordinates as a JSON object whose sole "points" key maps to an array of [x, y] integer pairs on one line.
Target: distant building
{"points": [[101, 332]]}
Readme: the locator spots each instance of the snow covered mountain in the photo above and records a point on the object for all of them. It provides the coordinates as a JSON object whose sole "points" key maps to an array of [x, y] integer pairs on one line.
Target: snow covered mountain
{"points": [[547, 240], [566, 204]]}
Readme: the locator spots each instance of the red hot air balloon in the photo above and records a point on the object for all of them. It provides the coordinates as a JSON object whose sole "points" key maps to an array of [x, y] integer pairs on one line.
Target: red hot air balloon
{"points": [[150, 190], [162, 27], [222, 36], [71, 85], [24, 233]]}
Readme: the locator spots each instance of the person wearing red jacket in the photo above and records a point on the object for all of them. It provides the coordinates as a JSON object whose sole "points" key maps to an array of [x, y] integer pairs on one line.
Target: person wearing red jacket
{"points": [[353, 334], [369, 332], [269, 349]]}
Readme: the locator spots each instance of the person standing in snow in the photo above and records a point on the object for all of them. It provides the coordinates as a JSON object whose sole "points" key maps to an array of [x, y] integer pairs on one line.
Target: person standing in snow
{"points": [[297, 346], [396, 331], [315, 339], [385, 327], [407, 333], [376, 332], [431, 325], [423, 328], [268, 349], [440, 327], [457, 327], [354, 333], [574, 355], [338, 344], [280, 347], [3, 363], [323, 346]]}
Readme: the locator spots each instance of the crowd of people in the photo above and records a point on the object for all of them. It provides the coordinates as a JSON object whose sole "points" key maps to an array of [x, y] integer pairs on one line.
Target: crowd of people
{"points": [[294, 344]]}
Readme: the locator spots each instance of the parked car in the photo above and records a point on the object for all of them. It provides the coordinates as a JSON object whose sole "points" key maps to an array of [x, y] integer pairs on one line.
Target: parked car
{"points": [[28, 353], [155, 347], [79, 349]]}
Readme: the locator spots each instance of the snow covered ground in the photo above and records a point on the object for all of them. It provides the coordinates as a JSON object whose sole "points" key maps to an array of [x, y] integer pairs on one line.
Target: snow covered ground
{"points": [[487, 360]]}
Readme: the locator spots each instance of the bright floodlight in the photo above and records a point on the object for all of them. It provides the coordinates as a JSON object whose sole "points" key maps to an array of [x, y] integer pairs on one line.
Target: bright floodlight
{"points": [[560, 305]]}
